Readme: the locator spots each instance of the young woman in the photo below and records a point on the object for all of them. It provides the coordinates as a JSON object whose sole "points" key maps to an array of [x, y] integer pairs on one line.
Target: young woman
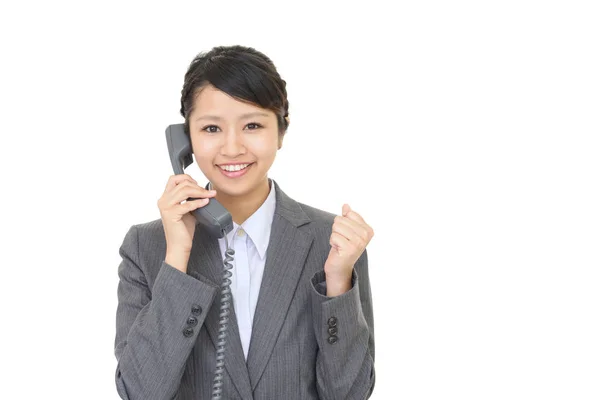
{"points": [[301, 319]]}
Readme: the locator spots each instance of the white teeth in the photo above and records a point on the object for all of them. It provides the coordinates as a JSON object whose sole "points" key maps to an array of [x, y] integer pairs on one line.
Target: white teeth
{"points": [[232, 168]]}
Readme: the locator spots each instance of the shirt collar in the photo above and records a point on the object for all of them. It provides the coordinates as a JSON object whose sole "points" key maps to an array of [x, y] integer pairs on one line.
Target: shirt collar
{"points": [[258, 225]]}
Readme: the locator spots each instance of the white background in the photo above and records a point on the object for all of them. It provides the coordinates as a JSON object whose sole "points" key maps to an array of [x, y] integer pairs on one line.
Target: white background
{"points": [[465, 133]]}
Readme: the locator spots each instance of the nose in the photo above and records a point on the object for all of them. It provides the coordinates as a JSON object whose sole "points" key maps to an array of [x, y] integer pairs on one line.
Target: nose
{"points": [[233, 144]]}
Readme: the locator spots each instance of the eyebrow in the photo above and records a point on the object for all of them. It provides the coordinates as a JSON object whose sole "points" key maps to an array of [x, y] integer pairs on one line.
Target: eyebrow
{"points": [[248, 115]]}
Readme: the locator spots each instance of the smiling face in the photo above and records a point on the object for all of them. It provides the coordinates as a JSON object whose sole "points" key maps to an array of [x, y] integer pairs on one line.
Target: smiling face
{"points": [[228, 133]]}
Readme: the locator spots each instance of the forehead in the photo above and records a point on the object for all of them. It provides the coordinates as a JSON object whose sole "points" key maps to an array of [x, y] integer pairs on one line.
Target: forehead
{"points": [[211, 100]]}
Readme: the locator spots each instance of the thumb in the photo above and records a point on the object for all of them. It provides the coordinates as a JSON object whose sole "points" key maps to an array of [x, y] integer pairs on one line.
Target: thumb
{"points": [[345, 209]]}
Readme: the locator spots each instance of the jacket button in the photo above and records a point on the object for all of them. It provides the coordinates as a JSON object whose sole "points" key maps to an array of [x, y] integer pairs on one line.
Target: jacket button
{"points": [[187, 332], [332, 321], [332, 339], [192, 321], [196, 309], [332, 330]]}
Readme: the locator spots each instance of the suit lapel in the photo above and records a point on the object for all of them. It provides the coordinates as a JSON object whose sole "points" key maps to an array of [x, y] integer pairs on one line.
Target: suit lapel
{"points": [[286, 254], [205, 260]]}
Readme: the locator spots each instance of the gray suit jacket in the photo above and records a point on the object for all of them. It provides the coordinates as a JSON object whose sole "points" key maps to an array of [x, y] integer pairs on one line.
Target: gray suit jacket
{"points": [[304, 345]]}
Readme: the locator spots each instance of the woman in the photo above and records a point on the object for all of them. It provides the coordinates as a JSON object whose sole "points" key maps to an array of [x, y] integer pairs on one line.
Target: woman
{"points": [[301, 322]]}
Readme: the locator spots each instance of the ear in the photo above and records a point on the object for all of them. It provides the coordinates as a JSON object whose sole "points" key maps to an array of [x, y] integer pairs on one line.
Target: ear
{"points": [[280, 141]]}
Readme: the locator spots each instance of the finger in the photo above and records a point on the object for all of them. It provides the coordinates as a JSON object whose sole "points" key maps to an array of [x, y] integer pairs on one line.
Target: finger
{"points": [[192, 205], [175, 180], [361, 230], [187, 190], [354, 216], [345, 229], [338, 241], [345, 209], [189, 206]]}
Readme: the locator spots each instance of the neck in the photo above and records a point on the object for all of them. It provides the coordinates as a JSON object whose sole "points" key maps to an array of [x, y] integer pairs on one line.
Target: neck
{"points": [[241, 208]]}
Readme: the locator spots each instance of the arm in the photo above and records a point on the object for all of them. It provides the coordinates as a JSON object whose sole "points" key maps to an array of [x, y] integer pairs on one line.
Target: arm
{"points": [[345, 335], [156, 328]]}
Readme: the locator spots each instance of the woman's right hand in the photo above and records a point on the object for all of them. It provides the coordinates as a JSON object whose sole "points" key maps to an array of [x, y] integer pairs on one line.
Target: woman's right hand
{"points": [[178, 222]]}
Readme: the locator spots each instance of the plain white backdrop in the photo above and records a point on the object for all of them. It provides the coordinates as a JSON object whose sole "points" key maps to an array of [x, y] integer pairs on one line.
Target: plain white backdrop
{"points": [[465, 133]]}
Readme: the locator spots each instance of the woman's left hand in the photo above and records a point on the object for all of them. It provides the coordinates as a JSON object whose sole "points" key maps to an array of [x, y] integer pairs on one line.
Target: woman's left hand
{"points": [[349, 238]]}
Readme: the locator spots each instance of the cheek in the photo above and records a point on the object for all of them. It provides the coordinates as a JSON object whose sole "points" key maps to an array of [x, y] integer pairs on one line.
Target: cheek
{"points": [[204, 153], [266, 154], [264, 146]]}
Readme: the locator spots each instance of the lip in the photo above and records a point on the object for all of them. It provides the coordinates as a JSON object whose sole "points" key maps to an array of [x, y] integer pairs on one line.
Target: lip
{"points": [[235, 174], [236, 163]]}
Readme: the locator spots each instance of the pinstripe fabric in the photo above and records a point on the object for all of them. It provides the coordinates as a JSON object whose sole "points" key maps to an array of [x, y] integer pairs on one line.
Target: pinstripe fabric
{"points": [[290, 354]]}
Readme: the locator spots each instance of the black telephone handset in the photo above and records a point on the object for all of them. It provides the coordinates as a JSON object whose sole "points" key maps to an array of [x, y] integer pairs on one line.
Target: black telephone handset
{"points": [[213, 215], [219, 222]]}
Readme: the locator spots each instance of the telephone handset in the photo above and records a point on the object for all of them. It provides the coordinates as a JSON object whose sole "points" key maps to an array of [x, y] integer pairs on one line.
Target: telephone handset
{"points": [[213, 215], [219, 223]]}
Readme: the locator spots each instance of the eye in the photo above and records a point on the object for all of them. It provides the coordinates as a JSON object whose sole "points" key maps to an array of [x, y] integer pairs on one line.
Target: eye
{"points": [[254, 124], [209, 130]]}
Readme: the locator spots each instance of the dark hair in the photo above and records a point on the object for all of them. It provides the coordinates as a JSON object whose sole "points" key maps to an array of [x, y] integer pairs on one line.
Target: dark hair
{"points": [[243, 73]]}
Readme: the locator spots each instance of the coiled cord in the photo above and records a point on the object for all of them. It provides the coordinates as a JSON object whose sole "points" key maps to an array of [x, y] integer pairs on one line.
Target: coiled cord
{"points": [[223, 320]]}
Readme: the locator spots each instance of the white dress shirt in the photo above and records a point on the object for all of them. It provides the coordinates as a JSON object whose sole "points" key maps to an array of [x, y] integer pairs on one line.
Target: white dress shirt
{"points": [[249, 241]]}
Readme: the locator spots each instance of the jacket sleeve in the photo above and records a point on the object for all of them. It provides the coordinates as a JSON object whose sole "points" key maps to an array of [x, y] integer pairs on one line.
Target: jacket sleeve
{"points": [[156, 327], [345, 335]]}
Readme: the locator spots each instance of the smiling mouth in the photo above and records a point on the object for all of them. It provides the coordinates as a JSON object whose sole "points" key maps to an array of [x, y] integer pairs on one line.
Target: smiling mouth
{"points": [[235, 168]]}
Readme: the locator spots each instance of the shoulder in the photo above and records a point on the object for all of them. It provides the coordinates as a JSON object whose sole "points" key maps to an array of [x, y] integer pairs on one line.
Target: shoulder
{"points": [[317, 214], [152, 228], [147, 244], [319, 219], [149, 237]]}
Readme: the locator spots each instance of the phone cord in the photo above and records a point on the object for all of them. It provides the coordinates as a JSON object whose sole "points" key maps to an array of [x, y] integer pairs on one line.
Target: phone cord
{"points": [[223, 320]]}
